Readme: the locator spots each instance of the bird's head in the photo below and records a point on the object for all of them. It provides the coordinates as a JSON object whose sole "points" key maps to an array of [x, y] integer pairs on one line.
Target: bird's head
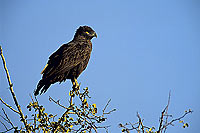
{"points": [[85, 31]]}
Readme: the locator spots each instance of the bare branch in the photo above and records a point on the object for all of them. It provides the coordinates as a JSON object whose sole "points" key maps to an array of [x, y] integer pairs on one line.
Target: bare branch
{"points": [[12, 91], [163, 114], [57, 102], [7, 130], [163, 122], [105, 127], [4, 118], [177, 119], [9, 121], [3, 125], [9, 106], [106, 105], [140, 123], [166, 113]]}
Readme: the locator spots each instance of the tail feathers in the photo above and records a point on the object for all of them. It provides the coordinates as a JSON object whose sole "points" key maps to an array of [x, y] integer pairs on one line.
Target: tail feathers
{"points": [[41, 88]]}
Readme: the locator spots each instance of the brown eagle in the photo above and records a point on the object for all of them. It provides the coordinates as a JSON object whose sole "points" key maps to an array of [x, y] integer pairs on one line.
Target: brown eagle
{"points": [[69, 61]]}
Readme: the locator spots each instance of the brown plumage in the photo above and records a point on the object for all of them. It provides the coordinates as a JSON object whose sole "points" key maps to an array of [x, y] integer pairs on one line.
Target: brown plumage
{"points": [[69, 61]]}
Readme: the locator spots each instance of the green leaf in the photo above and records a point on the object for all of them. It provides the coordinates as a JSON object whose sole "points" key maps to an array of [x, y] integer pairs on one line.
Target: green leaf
{"points": [[186, 125], [180, 121]]}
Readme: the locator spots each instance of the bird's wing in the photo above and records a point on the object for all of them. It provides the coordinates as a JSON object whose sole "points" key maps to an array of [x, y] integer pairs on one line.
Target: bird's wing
{"points": [[66, 57], [54, 60]]}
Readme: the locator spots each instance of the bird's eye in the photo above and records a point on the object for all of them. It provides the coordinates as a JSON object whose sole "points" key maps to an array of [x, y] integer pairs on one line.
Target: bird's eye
{"points": [[87, 32]]}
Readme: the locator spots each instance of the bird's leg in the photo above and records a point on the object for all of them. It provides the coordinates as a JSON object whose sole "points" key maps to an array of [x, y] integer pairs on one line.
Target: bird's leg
{"points": [[75, 84]]}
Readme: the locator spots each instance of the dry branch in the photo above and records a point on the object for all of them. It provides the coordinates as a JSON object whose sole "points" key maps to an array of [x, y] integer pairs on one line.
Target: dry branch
{"points": [[12, 91], [9, 106], [164, 112], [164, 122], [9, 121]]}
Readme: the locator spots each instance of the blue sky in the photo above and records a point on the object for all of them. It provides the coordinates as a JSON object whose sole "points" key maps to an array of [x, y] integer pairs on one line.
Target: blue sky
{"points": [[144, 49]]}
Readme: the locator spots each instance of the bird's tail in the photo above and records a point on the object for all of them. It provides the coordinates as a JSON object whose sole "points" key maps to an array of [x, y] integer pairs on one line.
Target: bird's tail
{"points": [[41, 87]]}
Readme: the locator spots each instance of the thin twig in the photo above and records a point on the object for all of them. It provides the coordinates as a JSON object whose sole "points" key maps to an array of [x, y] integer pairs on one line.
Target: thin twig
{"points": [[7, 130], [35, 121], [31, 98], [166, 112], [163, 114], [105, 127], [4, 118], [12, 92], [106, 105], [3, 125], [140, 123], [9, 121], [177, 119], [110, 111], [57, 102], [106, 108], [9, 106], [90, 123], [59, 121]]}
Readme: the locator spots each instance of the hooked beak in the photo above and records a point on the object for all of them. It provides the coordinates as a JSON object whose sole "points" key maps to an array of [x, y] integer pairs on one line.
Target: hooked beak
{"points": [[95, 34]]}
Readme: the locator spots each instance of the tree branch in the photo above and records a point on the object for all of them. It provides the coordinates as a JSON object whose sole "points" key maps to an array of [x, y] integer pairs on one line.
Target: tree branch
{"points": [[166, 112], [9, 106], [163, 114], [57, 102], [8, 120], [12, 91], [177, 119], [3, 125]]}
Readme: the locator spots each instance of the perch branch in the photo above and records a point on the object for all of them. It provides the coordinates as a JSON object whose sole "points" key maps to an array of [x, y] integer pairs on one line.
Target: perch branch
{"points": [[12, 91]]}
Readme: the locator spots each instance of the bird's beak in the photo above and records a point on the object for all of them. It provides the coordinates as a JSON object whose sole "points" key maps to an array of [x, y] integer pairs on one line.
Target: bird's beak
{"points": [[95, 34]]}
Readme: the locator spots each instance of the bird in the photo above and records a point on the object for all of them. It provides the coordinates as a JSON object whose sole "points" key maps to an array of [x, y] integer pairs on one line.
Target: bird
{"points": [[69, 61]]}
